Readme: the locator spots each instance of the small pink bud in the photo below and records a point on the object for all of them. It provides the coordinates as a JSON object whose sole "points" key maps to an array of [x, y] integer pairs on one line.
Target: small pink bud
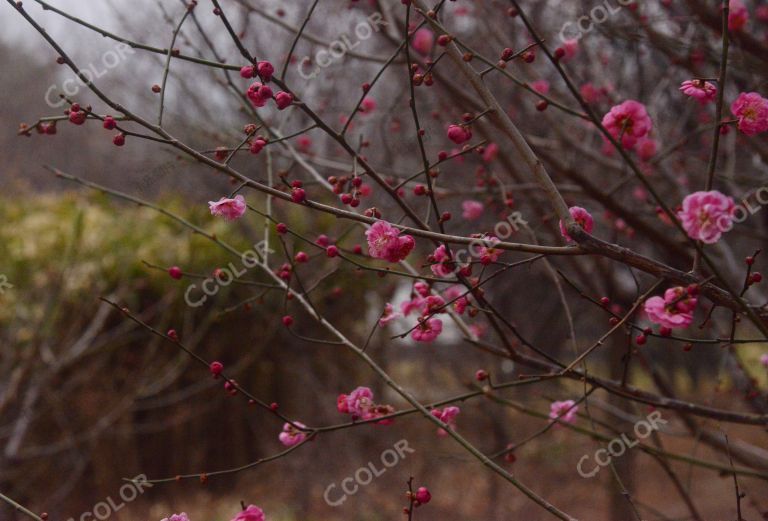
{"points": [[175, 272], [247, 71], [422, 495], [266, 70], [216, 368], [298, 195], [283, 99], [110, 123], [332, 251], [281, 228], [287, 320], [301, 257]]}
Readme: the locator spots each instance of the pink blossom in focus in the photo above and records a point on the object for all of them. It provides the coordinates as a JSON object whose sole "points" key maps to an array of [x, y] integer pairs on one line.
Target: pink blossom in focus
{"points": [[582, 217], [564, 411], [630, 120], [701, 91], [472, 210], [385, 242], [705, 216], [427, 330], [230, 209], [751, 109], [291, 435], [252, 513], [674, 310], [442, 265], [459, 134], [423, 41]]}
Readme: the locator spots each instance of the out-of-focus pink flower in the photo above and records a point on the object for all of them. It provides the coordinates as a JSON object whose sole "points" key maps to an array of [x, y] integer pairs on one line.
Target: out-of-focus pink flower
{"points": [[389, 315], [447, 416], [368, 105], [751, 109], [764, 359], [571, 47], [564, 411], [629, 121], [423, 41], [291, 435], [540, 86], [385, 242], [705, 216], [442, 265], [590, 93], [472, 210], [674, 310], [490, 152], [252, 513], [459, 134], [762, 13], [737, 15], [582, 217], [177, 517], [427, 330], [230, 209], [646, 148], [700, 90], [409, 306], [304, 143], [421, 288]]}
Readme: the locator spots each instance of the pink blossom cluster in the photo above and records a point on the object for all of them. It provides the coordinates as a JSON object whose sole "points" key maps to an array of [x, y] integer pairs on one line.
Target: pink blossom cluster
{"points": [[360, 405], [674, 310], [564, 411], [385, 242]]}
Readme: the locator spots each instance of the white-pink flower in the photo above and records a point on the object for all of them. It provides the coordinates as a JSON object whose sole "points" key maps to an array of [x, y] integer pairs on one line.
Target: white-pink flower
{"points": [[564, 411], [389, 314], [705, 216], [291, 435], [447, 416], [230, 209]]}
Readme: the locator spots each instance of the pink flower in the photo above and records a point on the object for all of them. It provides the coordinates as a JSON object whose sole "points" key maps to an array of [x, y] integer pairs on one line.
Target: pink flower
{"points": [[762, 13], [674, 310], [427, 330], [359, 402], [540, 86], [472, 210], [447, 416], [459, 134], [177, 517], [230, 209], [701, 91], [490, 152], [705, 216], [764, 359], [564, 411], [422, 288], [291, 435], [283, 99], [423, 41], [252, 513], [582, 217], [389, 315], [751, 109], [646, 148], [487, 253], [629, 120], [442, 265], [259, 94], [385, 242], [590, 93], [737, 15], [570, 47], [368, 105], [409, 306]]}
